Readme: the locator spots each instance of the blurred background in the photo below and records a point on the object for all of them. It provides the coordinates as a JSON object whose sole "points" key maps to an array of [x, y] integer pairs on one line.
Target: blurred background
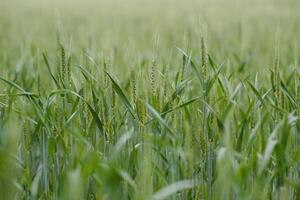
{"points": [[137, 29], [124, 37]]}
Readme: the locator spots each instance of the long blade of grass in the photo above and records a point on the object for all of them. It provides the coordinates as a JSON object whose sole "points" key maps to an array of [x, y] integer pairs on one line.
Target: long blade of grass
{"points": [[174, 188], [121, 94], [49, 70]]}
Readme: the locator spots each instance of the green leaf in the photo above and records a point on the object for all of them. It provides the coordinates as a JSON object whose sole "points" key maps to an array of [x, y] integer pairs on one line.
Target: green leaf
{"points": [[193, 65], [256, 92], [289, 95], [159, 118], [272, 142], [212, 80], [86, 73], [179, 89], [121, 94], [174, 188], [93, 112], [13, 85], [181, 105], [49, 70]]}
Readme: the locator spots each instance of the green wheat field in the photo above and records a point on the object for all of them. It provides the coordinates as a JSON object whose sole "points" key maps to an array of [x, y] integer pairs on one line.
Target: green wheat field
{"points": [[150, 99]]}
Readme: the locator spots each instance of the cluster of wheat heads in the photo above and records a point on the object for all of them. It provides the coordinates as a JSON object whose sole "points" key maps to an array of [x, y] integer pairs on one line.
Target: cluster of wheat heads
{"points": [[193, 116]]}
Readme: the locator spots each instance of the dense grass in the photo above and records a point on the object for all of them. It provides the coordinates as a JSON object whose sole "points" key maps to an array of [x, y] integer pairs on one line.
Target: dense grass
{"points": [[149, 99]]}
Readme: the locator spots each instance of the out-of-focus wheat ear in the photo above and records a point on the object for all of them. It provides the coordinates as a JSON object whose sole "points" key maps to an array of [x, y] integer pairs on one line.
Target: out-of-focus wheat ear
{"points": [[153, 78], [58, 50], [63, 65], [139, 111], [26, 135], [276, 65], [211, 121], [193, 138], [3, 104], [134, 89], [111, 132], [144, 113], [183, 69], [113, 99], [105, 109], [203, 145], [69, 72], [204, 58], [88, 115], [183, 129], [165, 91]]}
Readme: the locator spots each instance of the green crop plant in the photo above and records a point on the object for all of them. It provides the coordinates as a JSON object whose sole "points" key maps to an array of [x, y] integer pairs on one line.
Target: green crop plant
{"points": [[149, 100]]}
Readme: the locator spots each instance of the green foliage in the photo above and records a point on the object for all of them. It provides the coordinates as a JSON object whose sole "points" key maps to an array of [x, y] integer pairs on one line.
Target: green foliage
{"points": [[149, 99]]}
